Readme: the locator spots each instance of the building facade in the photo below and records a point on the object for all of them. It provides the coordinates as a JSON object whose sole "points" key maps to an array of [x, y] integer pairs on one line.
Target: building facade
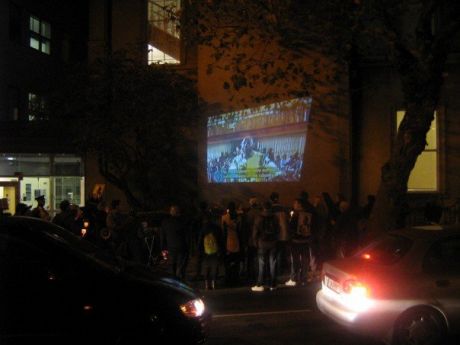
{"points": [[38, 38], [341, 142]]}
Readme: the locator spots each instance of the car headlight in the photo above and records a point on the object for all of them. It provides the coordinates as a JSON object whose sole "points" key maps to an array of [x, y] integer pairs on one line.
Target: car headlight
{"points": [[193, 308]]}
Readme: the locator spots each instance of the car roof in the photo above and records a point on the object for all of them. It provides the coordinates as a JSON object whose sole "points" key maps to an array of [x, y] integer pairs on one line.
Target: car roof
{"points": [[25, 220]]}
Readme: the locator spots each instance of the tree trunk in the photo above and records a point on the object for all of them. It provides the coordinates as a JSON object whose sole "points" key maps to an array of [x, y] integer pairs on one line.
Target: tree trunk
{"points": [[391, 207]]}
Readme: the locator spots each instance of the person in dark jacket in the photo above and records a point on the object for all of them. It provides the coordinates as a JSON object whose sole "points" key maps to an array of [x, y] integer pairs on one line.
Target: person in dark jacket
{"points": [[281, 214], [251, 251], [346, 230], [302, 226], [210, 248], [39, 211], [175, 241], [265, 236], [23, 210], [198, 225], [65, 218]]}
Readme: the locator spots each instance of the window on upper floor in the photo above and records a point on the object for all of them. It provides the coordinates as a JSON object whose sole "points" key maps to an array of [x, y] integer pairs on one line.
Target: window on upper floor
{"points": [[424, 176], [164, 36], [37, 107], [40, 35]]}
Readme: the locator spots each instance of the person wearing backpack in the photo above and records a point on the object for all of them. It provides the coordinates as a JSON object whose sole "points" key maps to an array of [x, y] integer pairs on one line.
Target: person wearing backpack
{"points": [[301, 227], [265, 236], [209, 248]]}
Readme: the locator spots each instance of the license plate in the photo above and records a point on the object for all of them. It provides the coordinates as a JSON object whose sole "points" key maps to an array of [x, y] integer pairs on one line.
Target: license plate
{"points": [[332, 284]]}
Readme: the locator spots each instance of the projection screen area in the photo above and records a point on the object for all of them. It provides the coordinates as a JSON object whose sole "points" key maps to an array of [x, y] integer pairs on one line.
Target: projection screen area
{"points": [[261, 144]]}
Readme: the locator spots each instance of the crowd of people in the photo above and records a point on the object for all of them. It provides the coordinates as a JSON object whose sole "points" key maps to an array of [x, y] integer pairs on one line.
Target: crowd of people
{"points": [[259, 244], [254, 244], [248, 162]]}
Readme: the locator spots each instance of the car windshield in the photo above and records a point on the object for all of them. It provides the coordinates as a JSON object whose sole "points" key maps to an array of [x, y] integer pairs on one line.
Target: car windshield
{"points": [[387, 250]]}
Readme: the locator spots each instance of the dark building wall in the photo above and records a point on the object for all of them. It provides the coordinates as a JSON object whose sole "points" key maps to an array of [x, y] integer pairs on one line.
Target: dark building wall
{"points": [[116, 25], [24, 69], [451, 130]]}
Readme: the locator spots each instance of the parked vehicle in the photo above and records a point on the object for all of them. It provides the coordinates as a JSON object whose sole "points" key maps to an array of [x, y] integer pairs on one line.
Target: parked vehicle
{"points": [[54, 284], [404, 288]]}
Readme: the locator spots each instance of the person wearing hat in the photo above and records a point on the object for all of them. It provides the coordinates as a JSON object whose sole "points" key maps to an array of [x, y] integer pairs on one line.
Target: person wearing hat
{"points": [[39, 211]]}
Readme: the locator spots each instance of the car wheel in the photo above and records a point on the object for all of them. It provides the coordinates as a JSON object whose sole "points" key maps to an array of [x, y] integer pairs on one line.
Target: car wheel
{"points": [[421, 326]]}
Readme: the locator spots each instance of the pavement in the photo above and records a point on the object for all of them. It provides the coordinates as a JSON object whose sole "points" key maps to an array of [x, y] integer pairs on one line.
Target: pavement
{"points": [[242, 285], [198, 282]]}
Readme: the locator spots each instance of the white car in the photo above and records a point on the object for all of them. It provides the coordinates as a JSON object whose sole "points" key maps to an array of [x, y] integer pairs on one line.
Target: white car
{"points": [[403, 288]]}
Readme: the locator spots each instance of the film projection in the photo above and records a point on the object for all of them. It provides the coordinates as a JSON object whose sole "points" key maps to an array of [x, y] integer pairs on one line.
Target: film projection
{"points": [[261, 144]]}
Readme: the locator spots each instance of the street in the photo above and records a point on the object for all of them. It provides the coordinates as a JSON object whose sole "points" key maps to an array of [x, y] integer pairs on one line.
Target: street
{"points": [[284, 316]]}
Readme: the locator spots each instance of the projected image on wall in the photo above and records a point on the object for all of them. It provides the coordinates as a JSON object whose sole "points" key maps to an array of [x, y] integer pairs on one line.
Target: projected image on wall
{"points": [[261, 144]]}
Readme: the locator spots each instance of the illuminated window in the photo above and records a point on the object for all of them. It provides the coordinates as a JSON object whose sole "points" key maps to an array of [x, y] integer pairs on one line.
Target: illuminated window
{"points": [[159, 57], [40, 35], [164, 38], [36, 108], [424, 176]]}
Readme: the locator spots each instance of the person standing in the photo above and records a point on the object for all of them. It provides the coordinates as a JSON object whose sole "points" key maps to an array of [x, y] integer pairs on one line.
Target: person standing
{"points": [[280, 213], [301, 224], [115, 220], [199, 223], [175, 241], [251, 250], [65, 217], [265, 236], [231, 230], [209, 247], [40, 211], [346, 230], [23, 210]]}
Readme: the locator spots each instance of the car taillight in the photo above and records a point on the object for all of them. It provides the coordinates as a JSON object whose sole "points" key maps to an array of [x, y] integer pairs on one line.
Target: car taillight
{"points": [[194, 308], [355, 288], [366, 256], [356, 295]]}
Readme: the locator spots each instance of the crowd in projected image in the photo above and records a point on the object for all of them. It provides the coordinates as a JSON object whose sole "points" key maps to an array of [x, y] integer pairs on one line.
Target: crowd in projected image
{"points": [[261, 144]]}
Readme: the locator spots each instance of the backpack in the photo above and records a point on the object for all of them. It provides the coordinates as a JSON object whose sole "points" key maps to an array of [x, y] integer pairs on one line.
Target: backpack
{"points": [[233, 243], [303, 231], [232, 240], [270, 229], [210, 244]]}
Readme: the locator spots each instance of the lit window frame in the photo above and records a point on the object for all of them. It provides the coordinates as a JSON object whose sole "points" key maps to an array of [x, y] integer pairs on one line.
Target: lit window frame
{"points": [[36, 107], [40, 34], [165, 16], [436, 150]]}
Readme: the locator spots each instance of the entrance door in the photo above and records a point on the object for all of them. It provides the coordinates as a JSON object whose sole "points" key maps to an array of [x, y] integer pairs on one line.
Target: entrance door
{"points": [[10, 191]]}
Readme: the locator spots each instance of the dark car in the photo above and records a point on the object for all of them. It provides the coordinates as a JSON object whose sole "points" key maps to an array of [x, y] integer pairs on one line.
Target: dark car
{"points": [[54, 284]]}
